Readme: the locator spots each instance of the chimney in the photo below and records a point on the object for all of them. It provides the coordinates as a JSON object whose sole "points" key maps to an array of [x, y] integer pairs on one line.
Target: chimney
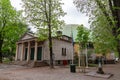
{"points": [[59, 33]]}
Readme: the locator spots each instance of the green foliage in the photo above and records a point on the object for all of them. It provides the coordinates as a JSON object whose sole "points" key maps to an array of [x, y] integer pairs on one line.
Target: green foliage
{"points": [[6, 60], [92, 65], [6, 14], [103, 39], [14, 32], [82, 36], [43, 34], [102, 24], [12, 26], [37, 13]]}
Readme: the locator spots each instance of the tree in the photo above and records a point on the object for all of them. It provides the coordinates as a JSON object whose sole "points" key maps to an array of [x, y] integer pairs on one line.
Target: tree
{"points": [[45, 14], [8, 23], [104, 16], [14, 31], [115, 10], [82, 38], [102, 37], [42, 33]]}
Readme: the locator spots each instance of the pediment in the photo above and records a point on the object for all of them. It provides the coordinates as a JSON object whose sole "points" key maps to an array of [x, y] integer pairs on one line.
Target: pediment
{"points": [[27, 36]]}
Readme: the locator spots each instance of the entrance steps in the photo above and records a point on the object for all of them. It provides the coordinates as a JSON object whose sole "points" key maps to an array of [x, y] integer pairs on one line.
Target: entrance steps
{"points": [[40, 64], [21, 63], [32, 63]]}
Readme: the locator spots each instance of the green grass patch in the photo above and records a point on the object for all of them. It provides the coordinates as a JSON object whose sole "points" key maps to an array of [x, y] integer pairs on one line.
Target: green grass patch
{"points": [[6, 60], [92, 65]]}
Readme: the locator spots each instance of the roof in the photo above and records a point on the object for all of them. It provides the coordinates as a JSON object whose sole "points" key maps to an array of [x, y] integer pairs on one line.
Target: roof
{"points": [[64, 38], [27, 36], [31, 36], [69, 30]]}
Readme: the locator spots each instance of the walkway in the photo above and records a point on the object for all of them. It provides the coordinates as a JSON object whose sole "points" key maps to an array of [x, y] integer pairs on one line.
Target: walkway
{"points": [[13, 72]]}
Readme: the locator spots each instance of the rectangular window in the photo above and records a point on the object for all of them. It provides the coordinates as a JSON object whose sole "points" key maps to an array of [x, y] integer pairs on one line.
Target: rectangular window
{"points": [[63, 51]]}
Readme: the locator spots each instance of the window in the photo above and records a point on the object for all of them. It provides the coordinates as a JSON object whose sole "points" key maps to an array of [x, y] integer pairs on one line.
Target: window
{"points": [[63, 51], [58, 61]]}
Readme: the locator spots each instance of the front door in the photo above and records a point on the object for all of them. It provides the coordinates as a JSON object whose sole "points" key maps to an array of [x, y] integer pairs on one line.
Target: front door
{"points": [[39, 53], [26, 49], [32, 54]]}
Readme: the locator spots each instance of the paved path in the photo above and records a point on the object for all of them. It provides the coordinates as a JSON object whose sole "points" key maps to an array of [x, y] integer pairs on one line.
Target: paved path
{"points": [[13, 72]]}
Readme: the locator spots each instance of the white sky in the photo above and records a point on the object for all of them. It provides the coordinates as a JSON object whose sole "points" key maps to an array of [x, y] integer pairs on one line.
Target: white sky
{"points": [[72, 17]]}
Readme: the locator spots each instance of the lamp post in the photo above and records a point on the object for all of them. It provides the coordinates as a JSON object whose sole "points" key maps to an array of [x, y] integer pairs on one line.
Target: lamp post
{"points": [[79, 55], [86, 58]]}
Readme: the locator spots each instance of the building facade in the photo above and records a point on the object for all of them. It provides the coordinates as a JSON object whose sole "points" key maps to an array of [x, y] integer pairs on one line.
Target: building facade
{"points": [[28, 48]]}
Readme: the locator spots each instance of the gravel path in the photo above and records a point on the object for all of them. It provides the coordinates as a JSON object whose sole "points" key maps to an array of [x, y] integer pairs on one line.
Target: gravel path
{"points": [[14, 72]]}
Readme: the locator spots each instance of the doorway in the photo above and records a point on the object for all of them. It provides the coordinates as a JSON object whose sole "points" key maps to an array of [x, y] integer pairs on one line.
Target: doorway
{"points": [[26, 49], [39, 53], [32, 54]]}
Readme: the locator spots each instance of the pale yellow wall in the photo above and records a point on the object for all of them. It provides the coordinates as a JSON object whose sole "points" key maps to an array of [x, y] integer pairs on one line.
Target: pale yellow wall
{"points": [[76, 48], [108, 55]]}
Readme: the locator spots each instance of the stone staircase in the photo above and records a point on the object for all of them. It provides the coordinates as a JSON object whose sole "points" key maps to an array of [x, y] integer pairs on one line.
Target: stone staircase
{"points": [[40, 64], [21, 63], [31, 63]]}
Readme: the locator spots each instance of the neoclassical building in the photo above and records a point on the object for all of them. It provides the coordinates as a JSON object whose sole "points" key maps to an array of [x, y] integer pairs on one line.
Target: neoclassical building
{"points": [[29, 48]]}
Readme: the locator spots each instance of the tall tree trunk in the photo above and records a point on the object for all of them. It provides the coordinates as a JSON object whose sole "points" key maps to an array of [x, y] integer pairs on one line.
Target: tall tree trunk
{"points": [[115, 7], [118, 24], [50, 48], [50, 38], [1, 42]]}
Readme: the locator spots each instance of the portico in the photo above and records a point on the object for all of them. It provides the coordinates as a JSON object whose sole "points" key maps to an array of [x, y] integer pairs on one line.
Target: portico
{"points": [[28, 49]]}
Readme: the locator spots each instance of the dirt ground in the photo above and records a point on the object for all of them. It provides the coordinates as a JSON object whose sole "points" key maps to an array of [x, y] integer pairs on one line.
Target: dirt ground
{"points": [[15, 72]]}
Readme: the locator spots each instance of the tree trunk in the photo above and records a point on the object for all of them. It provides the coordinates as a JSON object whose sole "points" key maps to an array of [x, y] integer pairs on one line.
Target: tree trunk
{"points": [[50, 38], [1, 42], [116, 14], [118, 48], [50, 48]]}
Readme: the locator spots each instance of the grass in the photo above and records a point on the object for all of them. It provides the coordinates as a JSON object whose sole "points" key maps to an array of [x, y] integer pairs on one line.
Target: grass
{"points": [[6, 60], [92, 65]]}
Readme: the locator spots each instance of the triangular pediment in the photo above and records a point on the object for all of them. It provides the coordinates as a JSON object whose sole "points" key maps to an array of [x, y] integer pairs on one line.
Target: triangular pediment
{"points": [[27, 36]]}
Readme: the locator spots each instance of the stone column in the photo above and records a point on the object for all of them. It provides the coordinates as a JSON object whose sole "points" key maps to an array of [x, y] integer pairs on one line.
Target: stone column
{"points": [[35, 54], [28, 52], [16, 55], [22, 52]]}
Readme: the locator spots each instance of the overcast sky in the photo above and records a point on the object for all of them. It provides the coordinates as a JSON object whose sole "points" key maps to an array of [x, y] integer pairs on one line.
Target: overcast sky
{"points": [[72, 17]]}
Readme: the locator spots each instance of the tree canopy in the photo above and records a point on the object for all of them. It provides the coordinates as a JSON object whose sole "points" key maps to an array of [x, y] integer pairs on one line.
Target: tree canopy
{"points": [[82, 36], [12, 26], [37, 13], [104, 23]]}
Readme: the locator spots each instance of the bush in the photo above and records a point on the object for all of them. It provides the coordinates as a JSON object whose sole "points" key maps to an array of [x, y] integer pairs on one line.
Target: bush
{"points": [[6, 60]]}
